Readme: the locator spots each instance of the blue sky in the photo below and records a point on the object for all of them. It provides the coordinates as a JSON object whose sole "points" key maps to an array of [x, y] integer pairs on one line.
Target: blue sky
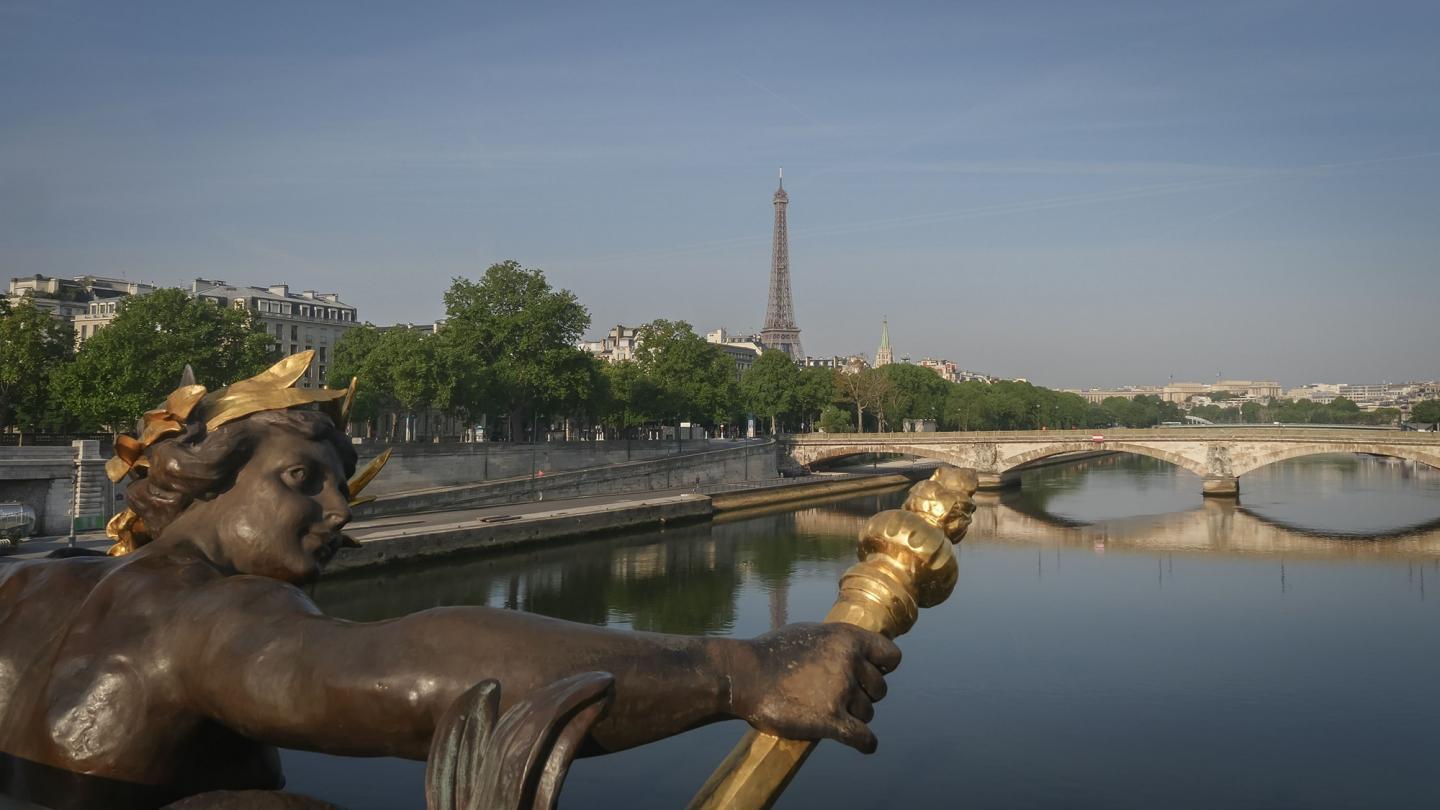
{"points": [[1077, 193]]}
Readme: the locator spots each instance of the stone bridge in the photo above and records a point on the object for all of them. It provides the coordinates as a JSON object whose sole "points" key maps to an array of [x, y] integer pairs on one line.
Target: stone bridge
{"points": [[1218, 455]]}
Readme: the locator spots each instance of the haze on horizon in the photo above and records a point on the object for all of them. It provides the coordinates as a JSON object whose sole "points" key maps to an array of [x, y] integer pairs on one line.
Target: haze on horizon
{"points": [[1080, 194]]}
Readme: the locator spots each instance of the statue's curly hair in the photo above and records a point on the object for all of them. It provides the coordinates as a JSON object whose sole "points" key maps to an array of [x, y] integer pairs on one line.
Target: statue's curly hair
{"points": [[198, 465]]}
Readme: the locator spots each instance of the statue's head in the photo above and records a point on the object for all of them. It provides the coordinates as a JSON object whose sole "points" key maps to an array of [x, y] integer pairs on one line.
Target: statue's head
{"points": [[256, 473]]}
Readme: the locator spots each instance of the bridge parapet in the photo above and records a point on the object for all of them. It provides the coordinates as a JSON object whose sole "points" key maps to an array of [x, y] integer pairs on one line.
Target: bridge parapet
{"points": [[1219, 457]]}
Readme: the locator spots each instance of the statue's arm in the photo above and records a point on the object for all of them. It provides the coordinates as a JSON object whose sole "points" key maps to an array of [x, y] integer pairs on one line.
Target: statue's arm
{"points": [[260, 658]]}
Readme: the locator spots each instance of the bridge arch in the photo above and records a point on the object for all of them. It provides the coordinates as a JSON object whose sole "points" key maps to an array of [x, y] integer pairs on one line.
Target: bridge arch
{"points": [[1017, 462], [828, 453], [1423, 455]]}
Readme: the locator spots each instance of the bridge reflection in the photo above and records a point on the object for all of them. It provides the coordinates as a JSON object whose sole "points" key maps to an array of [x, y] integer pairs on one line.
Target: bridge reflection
{"points": [[1215, 527]]}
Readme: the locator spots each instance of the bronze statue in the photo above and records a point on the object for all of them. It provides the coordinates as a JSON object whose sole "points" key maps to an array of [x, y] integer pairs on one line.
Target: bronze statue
{"points": [[174, 667]]}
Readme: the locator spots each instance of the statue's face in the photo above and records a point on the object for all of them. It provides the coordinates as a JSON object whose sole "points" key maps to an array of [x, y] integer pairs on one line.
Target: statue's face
{"points": [[282, 518]]}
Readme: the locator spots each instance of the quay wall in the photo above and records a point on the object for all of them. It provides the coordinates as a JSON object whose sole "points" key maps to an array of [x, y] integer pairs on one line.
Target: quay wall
{"points": [[479, 535], [55, 481], [732, 464], [423, 466]]}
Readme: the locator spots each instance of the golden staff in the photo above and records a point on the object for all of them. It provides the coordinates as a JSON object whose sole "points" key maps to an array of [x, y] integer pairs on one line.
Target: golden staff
{"points": [[906, 563]]}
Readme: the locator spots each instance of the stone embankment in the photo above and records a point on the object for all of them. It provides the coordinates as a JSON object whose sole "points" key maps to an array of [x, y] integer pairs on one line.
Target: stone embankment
{"points": [[745, 462], [417, 537]]}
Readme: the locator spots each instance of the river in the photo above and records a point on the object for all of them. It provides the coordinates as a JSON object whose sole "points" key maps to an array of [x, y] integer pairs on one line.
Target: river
{"points": [[1114, 642]]}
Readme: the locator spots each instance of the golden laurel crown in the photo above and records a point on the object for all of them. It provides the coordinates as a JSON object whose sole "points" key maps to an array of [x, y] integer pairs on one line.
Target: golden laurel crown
{"points": [[270, 390]]}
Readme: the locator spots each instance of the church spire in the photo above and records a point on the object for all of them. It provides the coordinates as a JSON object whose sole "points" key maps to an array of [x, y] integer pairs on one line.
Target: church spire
{"points": [[883, 355]]}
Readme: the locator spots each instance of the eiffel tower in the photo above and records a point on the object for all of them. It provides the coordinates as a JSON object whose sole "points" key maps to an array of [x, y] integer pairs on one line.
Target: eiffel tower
{"points": [[780, 331]]}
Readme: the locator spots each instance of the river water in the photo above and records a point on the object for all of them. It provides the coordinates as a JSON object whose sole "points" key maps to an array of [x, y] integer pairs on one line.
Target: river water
{"points": [[1115, 641]]}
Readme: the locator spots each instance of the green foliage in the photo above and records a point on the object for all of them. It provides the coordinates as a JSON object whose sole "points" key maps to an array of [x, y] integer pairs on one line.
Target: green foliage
{"points": [[1427, 411], [509, 345], [772, 387], [835, 420], [867, 389], [634, 398], [1250, 413], [1007, 405], [131, 365], [1143, 411], [693, 380], [398, 370], [1340, 411], [32, 346], [818, 389], [355, 356], [914, 392]]}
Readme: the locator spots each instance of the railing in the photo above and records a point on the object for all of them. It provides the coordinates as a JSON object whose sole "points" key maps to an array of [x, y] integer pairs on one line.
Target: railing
{"points": [[1199, 432]]}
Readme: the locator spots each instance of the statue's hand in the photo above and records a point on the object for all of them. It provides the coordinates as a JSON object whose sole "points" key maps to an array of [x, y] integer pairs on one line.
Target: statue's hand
{"points": [[811, 681]]}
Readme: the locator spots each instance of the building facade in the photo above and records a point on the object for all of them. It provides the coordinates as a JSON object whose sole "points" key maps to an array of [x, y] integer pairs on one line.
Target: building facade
{"points": [[742, 350], [295, 321], [618, 344], [88, 303]]}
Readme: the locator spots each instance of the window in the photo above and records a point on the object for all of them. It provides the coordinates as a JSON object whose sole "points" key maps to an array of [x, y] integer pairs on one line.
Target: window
{"points": [[294, 334], [279, 332], [321, 353]]}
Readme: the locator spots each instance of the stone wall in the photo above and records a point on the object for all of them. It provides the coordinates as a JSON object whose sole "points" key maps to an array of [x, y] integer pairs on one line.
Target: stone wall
{"points": [[44, 479], [734, 463], [424, 466]]}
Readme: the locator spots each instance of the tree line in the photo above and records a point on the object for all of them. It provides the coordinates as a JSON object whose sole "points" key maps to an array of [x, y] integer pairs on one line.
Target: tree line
{"points": [[507, 360]]}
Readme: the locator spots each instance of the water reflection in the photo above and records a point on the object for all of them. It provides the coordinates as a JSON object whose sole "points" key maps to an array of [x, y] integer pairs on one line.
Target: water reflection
{"points": [[688, 579]]}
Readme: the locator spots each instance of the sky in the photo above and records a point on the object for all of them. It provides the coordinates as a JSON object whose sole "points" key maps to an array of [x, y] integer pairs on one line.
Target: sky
{"points": [[1081, 194]]}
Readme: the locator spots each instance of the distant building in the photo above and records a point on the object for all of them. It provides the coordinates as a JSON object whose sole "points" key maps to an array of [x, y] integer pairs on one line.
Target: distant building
{"points": [[1190, 393], [845, 364], [618, 344], [1096, 396], [88, 303], [1323, 393], [295, 321], [422, 328], [743, 351], [946, 369]]}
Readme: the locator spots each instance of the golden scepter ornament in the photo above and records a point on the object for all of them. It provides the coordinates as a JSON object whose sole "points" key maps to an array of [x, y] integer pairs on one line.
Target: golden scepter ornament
{"points": [[906, 563]]}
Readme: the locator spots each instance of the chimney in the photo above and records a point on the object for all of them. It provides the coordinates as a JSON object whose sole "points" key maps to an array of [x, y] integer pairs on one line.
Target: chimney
{"points": [[280, 289]]}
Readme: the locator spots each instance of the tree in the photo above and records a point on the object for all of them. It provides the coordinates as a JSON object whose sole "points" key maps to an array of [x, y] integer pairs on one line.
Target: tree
{"points": [[866, 389], [834, 420], [1427, 411], [633, 400], [510, 344], [817, 390], [916, 392], [1250, 413], [771, 387], [693, 379], [32, 346], [129, 366], [356, 357], [409, 381]]}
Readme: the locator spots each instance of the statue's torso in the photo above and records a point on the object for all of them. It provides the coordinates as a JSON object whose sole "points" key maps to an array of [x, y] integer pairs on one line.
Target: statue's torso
{"points": [[89, 683]]}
